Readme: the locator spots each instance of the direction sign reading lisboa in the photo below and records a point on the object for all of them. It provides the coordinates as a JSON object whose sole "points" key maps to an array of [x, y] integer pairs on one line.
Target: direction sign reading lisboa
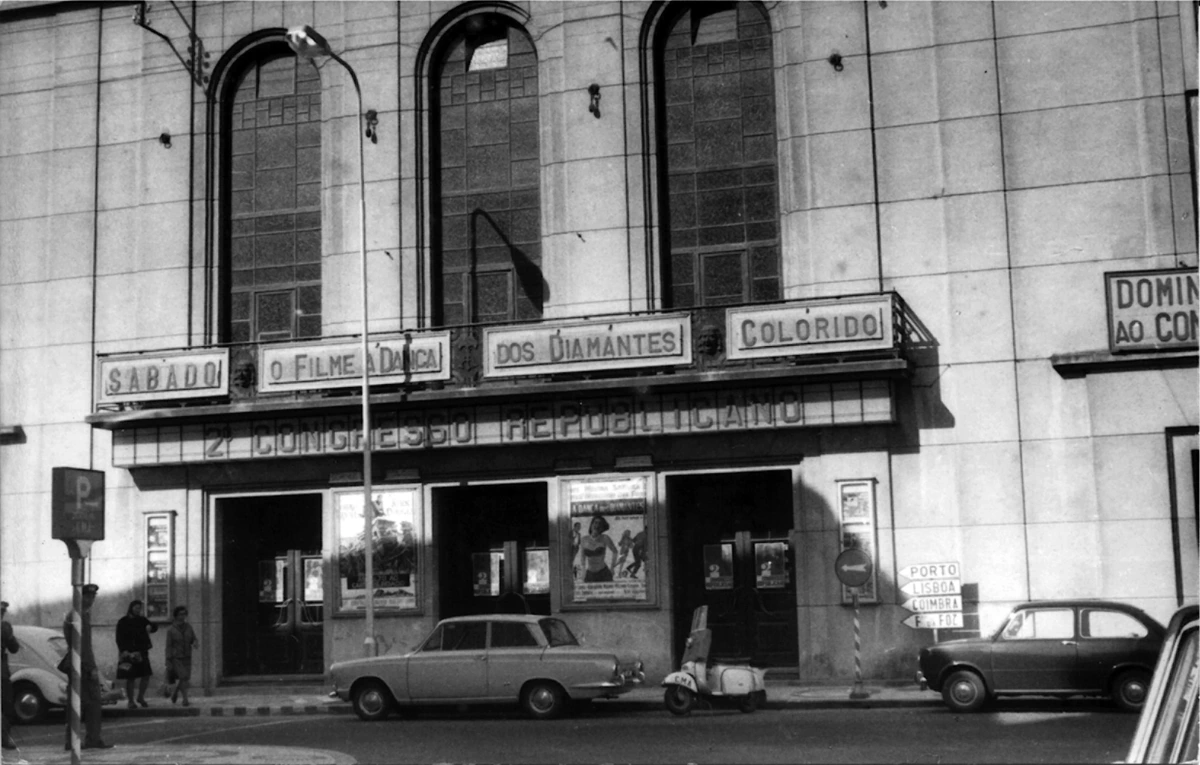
{"points": [[934, 593]]}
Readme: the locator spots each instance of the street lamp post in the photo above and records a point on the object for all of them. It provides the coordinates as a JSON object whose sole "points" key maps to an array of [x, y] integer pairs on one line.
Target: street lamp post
{"points": [[308, 44]]}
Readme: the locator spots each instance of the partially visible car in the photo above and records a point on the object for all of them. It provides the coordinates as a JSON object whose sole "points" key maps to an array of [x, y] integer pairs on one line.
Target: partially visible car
{"points": [[1167, 730], [533, 661], [1049, 648], [37, 684]]}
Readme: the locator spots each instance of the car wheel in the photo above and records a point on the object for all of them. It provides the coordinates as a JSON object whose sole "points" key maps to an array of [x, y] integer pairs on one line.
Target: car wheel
{"points": [[371, 700], [679, 699], [1129, 690], [543, 700], [29, 705], [964, 691], [748, 703]]}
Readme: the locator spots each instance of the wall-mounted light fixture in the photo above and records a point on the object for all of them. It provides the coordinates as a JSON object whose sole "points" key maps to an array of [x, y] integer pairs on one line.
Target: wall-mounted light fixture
{"points": [[372, 121], [594, 106], [835, 60]]}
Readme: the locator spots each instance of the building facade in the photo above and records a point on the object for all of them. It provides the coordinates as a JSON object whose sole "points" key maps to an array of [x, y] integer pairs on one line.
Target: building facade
{"points": [[666, 305]]}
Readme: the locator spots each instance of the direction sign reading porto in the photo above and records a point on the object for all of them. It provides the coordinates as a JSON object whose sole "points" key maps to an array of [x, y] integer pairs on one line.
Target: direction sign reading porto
{"points": [[934, 593]]}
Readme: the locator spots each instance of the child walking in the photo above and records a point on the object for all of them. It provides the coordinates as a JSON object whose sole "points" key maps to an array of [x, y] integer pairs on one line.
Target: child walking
{"points": [[181, 639]]}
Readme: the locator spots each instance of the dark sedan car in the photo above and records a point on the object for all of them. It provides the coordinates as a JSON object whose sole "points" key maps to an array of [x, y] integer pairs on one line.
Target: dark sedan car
{"points": [[1050, 648]]}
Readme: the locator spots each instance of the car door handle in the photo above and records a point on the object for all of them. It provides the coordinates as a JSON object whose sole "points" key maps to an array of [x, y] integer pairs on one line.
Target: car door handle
{"points": [[1069, 642], [482, 657]]}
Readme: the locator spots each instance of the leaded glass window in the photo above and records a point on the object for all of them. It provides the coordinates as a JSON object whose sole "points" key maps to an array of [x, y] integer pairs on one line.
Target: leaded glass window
{"points": [[487, 231], [717, 139], [274, 201]]}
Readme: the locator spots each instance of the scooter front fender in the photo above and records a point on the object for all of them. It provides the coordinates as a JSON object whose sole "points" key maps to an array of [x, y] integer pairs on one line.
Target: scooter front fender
{"points": [[681, 678]]}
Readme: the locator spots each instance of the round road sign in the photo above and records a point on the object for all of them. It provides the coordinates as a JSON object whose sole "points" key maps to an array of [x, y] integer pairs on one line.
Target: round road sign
{"points": [[853, 567]]}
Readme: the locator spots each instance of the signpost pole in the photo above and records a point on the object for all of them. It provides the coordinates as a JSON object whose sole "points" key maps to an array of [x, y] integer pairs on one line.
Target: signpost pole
{"points": [[857, 691]]}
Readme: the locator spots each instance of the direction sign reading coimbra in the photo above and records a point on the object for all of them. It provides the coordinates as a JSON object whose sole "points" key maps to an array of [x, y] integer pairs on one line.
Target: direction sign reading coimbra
{"points": [[934, 603]]}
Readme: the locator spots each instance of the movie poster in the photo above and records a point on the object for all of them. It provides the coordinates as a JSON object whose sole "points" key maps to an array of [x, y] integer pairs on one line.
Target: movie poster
{"points": [[394, 549], [610, 544], [718, 567]]}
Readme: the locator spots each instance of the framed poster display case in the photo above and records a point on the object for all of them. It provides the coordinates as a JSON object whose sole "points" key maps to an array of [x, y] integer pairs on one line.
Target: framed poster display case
{"points": [[396, 534], [856, 509], [608, 540]]}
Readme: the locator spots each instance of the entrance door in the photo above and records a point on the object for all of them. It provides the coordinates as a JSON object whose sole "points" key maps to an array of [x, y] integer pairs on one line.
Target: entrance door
{"points": [[493, 549], [291, 613], [733, 553], [273, 587]]}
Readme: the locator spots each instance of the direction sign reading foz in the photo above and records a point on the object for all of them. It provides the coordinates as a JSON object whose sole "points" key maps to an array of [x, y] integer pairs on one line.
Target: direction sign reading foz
{"points": [[944, 621]]}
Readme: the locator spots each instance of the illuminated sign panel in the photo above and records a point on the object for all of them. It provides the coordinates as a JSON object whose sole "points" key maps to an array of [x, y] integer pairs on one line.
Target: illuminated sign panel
{"points": [[310, 366], [151, 377], [560, 347], [811, 327], [1152, 310]]}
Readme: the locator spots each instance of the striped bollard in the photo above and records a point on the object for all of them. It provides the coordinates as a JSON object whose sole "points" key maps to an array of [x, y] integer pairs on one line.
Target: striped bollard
{"points": [[75, 716], [857, 692]]}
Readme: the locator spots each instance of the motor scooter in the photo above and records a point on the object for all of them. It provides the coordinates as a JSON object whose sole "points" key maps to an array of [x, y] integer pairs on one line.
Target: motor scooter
{"points": [[729, 681]]}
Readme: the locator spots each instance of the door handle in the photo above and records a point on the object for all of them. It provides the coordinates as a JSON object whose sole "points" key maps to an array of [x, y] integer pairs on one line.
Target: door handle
{"points": [[481, 658], [1069, 642]]}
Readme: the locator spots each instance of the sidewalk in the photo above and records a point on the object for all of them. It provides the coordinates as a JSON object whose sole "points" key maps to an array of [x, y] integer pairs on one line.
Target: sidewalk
{"points": [[239, 701], [264, 701]]}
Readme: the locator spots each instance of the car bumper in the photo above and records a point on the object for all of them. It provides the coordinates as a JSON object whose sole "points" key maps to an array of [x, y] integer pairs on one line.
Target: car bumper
{"points": [[613, 687]]}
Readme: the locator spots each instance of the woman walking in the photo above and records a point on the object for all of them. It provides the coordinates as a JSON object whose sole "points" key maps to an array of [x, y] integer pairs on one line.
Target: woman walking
{"points": [[181, 639], [133, 641]]}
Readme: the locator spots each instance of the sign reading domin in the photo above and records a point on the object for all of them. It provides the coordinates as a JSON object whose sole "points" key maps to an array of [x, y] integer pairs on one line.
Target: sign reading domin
{"points": [[574, 346], [1152, 310], [811, 327]]}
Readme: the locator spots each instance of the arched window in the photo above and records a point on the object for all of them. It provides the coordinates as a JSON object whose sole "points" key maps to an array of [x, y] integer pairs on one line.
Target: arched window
{"points": [[485, 196], [272, 132], [719, 186]]}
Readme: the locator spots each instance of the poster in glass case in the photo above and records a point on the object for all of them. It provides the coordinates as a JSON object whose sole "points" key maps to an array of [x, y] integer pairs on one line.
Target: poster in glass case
{"points": [[394, 531], [770, 565], [718, 567], [537, 571], [856, 503], [610, 551]]}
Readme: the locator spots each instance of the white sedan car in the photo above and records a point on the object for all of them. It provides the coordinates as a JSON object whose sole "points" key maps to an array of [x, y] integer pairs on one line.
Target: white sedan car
{"points": [[534, 661], [38, 686]]}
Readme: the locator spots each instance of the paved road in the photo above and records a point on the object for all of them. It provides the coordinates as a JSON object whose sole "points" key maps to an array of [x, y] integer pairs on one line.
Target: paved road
{"points": [[1019, 734]]}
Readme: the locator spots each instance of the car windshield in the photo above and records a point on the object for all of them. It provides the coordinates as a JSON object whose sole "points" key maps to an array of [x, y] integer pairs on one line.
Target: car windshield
{"points": [[557, 632]]}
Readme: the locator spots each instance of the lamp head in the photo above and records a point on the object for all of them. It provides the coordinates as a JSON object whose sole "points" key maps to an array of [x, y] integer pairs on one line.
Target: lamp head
{"points": [[307, 43]]}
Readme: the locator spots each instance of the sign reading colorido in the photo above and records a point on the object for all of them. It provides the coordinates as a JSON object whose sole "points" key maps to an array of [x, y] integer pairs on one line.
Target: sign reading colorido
{"points": [[816, 326]]}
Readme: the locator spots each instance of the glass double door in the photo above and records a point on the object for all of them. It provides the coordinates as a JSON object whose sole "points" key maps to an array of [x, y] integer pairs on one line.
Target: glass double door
{"points": [[272, 593], [732, 551], [291, 613]]}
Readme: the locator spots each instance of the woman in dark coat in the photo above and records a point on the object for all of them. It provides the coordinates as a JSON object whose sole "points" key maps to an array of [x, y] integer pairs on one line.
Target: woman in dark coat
{"points": [[133, 641]]}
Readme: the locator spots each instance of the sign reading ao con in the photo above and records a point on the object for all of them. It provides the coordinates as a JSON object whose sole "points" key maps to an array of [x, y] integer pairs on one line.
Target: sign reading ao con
{"points": [[1152, 310]]}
